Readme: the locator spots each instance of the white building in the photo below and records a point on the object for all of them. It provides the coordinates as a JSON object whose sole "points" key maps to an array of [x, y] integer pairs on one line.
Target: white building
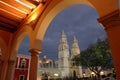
{"points": [[64, 66], [65, 59]]}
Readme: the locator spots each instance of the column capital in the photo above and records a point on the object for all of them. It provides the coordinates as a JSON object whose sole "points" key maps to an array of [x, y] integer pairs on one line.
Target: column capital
{"points": [[110, 20], [35, 51]]}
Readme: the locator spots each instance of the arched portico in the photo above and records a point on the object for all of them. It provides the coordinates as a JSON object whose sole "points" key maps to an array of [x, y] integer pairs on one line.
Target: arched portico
{"points": [[26, 31], [57, 6], [34, 51], [36, 33], [52, 10]]}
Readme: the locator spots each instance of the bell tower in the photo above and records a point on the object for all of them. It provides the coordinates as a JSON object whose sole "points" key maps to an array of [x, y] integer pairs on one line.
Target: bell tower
{"points": [[75, 50], [63, 55]]}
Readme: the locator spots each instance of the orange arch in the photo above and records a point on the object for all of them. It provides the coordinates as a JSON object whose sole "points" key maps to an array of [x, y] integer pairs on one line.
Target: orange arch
{"points": [[26, 31], [48, 16]]}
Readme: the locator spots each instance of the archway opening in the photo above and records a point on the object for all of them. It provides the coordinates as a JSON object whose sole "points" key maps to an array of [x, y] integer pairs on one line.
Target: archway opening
{"points": [[24, 46], [22, 65], [78, 20]]}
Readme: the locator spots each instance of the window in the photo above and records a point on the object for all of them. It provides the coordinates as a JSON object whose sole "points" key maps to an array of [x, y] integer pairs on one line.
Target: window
{"points": [[21, 77], [23, 63]]}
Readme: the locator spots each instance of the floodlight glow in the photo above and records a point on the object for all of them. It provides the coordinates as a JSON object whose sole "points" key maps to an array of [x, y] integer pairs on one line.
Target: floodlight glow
{"points": [[56, 74]]}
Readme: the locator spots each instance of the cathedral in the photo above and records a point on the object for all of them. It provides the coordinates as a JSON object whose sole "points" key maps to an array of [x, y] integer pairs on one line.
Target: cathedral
{"points": [[65, 63], [49, 69], [64, 66]]}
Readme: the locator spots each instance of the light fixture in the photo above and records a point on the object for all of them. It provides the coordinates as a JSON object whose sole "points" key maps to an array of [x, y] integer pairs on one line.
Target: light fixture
{"points": [[37, 0], [27, 5]]}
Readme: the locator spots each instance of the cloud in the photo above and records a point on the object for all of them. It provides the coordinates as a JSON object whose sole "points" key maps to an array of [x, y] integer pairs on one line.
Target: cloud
{"points": [[79, 20]]}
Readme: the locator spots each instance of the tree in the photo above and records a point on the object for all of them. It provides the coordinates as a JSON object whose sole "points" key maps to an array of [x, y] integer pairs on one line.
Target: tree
{"points": [[96, 57]]}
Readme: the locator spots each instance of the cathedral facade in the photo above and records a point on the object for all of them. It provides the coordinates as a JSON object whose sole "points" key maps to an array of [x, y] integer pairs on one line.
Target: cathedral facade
{"points": [[51, 69], [65, 55], [64, 66]]}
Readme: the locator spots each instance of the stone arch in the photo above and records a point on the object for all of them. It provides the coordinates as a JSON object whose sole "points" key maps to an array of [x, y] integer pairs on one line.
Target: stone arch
{"points": [[58, 5], [48, 16], [55, 7], [26, 31]]}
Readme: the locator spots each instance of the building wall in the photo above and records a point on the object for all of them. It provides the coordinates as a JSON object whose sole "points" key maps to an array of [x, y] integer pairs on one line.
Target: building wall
{"points": [[22, 69]]}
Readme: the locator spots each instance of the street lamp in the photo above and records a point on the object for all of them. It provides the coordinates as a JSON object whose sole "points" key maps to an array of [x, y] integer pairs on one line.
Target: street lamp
{"points": [[84, 74], [101, 73], [93, 74]]}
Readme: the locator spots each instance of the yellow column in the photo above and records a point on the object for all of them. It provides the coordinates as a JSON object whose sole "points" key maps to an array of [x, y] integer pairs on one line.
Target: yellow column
{"points": [[34, 63], [10, 70], [111, 24]]}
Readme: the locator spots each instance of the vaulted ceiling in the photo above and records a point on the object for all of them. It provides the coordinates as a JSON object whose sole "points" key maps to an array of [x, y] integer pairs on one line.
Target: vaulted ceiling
{"points": [[14, 12]]}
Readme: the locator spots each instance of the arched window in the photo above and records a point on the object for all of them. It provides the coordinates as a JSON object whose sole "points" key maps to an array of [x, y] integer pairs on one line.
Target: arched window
{"points": [[23, 63], [74, 73], [50, 64]]}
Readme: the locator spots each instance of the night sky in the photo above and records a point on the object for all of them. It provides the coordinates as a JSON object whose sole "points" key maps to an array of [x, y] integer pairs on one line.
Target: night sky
{"points": [[78, 20]]}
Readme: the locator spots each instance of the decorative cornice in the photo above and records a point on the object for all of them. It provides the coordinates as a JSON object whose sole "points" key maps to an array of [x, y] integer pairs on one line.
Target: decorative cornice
{"points": [[23, 56], [35, 51], [110, 20]]}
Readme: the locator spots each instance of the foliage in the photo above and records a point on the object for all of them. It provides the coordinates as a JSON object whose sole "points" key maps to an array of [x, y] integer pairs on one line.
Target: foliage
{"points": [[96, 57]]}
